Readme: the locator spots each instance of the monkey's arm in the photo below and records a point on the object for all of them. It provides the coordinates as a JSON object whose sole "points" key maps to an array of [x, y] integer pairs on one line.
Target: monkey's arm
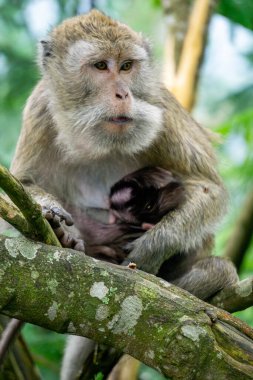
{"points": [[183, 229], [35, 164]]}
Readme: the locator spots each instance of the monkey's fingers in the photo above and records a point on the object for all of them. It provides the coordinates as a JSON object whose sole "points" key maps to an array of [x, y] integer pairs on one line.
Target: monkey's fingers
{"points": [[63, 215], [79, 245], [69, 241], [56, 215]]}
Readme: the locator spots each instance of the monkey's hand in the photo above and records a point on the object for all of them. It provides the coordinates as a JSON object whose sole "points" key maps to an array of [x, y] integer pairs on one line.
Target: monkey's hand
{"points": [[57, 216], [60, 220], [182, 230]]}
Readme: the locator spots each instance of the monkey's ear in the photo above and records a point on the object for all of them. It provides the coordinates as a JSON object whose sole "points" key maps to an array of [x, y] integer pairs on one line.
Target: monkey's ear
{"points": [[45, 52], [147, 45]]}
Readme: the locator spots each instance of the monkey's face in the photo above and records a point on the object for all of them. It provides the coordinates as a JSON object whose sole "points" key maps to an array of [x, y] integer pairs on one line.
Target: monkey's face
{"points": [[136, 206], [133, 203], [102, 87], [121, 202]]}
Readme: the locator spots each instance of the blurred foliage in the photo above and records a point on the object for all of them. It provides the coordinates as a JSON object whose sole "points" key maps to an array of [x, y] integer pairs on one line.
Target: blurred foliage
{"points": [[18, 74], [46, 348], [239, 11]]}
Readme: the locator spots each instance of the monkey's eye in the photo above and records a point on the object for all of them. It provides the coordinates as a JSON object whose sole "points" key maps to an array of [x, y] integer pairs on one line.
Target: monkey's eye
{"points": [[102, 65], [126, 66]]}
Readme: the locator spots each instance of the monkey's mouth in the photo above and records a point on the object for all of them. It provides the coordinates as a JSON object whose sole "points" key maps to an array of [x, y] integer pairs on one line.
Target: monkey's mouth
{"points": [[122, 119]]}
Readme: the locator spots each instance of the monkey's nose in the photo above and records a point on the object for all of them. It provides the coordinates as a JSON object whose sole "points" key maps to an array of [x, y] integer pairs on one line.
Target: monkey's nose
{"points": [[121, 94]]}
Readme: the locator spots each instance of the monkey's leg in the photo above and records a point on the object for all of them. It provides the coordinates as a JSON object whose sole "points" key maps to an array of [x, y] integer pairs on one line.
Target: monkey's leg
{"points": [[206, 277]]}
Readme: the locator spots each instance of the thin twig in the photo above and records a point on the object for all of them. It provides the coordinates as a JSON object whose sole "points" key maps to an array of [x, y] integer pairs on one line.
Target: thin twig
{"points": [[9, 334], [11, 214]]}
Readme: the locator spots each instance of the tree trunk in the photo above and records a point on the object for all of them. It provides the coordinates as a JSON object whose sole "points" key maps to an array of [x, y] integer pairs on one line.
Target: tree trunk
{"points": [[184, 46]]}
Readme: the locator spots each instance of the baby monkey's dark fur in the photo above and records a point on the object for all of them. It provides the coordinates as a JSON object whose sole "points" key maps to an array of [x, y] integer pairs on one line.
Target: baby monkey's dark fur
{"points": [[137, 202], [146, 195]]}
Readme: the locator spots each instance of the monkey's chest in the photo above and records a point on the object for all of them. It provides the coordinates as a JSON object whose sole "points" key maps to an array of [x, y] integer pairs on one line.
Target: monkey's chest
{"points": [[94, 201], [93, 188]]}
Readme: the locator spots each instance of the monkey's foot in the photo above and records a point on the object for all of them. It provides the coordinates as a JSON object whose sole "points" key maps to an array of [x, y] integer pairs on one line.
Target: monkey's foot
{"points": [[55, 217]]}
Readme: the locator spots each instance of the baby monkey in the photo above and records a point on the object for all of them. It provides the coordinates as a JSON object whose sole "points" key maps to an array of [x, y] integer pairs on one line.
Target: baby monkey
{"points": [[137, 202], [143, 197]]}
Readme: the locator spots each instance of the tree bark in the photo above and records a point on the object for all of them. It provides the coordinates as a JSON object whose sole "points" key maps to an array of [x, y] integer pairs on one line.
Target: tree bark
{"points": [[163, 326], [32, 223], [235, 298]]}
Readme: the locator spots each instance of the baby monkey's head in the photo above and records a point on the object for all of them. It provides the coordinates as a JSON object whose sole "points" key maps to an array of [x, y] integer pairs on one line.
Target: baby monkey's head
{"points": [[145, 196]]}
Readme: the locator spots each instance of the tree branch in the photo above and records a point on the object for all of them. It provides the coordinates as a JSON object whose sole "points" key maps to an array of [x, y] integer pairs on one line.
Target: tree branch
{"points": [[19, 364], [11, 214], [192, 50], [241, 236], [183, 337], [38, 225], [8, 335], [235, 298], [27, 218]]}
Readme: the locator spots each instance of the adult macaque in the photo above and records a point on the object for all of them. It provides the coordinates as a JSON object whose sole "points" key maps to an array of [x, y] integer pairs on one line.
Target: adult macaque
{"points": [[99, 113]]}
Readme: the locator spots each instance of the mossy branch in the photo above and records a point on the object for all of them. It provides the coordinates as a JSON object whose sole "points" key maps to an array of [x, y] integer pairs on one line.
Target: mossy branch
{"points": [[36, 223], [157, 323], [26, 216], [236, 297], [11, 214]]}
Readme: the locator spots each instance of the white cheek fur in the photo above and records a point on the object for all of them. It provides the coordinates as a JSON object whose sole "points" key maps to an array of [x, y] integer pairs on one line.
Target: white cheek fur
{"points": [[86, 137]]}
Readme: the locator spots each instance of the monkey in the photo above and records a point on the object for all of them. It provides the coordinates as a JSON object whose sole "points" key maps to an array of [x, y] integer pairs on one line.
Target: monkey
{"points": [[145, 196], [98, 113], [136, 203]]}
